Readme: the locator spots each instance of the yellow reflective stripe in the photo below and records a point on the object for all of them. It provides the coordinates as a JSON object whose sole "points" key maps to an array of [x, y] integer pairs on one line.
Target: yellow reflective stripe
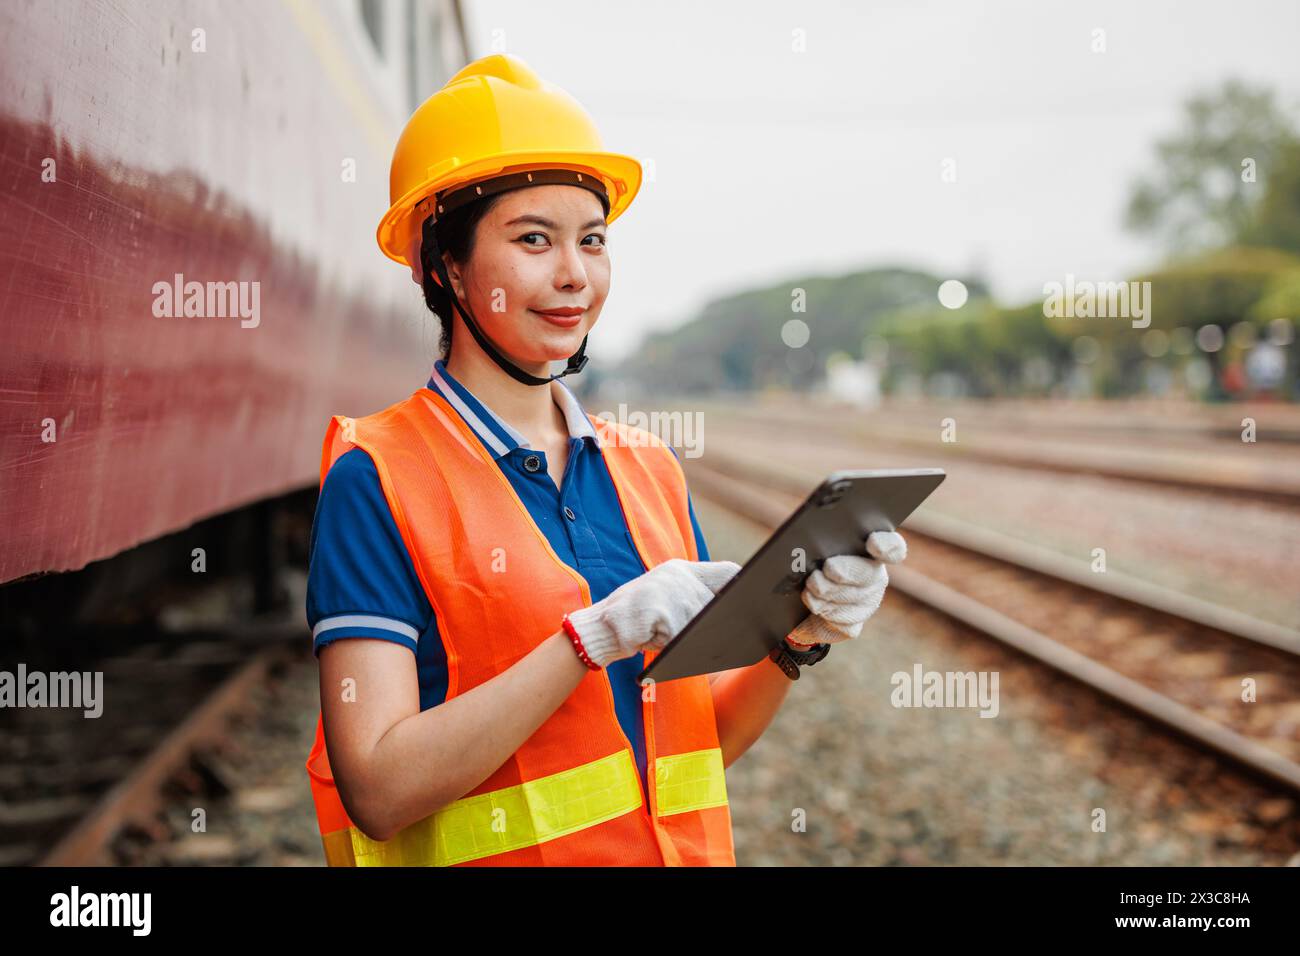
{"points": [[690, 781], [530, 813]]}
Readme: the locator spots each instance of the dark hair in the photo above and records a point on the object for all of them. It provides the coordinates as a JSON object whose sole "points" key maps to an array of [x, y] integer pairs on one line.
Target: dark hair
{"points": [[455, 233]]}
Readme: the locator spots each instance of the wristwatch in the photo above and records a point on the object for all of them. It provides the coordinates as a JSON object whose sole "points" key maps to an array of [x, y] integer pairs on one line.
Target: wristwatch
{"points": [[789, 659]]}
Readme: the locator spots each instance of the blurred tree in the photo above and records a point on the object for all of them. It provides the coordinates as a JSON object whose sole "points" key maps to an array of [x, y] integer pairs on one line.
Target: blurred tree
{"points": [[1200, 194], [736, 342], [1276, 219], [1218, 287], [1281, 298]]}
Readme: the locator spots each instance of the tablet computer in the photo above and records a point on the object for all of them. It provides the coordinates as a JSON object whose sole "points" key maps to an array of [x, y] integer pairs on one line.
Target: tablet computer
{"points": [[763, 603]]}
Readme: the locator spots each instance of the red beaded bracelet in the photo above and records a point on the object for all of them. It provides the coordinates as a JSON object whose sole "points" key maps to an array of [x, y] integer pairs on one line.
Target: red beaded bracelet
{"points": [[577, 644]]}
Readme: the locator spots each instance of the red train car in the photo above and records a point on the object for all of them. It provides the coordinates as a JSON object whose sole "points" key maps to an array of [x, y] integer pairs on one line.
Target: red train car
{"points": [[189, 283]]}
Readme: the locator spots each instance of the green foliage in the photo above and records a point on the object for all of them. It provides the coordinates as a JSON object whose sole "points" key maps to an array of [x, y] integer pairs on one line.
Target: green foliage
{"points": [[1198, 195], [736, 343], [986, 347], [1276, 220], [1281, 299], [1220, 287]]}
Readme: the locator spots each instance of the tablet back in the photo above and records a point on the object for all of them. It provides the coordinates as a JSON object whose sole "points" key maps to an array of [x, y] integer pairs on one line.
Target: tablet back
{"points": [[757, 608]]}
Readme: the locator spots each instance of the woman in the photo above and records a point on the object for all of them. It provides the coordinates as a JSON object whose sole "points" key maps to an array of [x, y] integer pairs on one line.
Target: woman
{"points": [[492, 567]]}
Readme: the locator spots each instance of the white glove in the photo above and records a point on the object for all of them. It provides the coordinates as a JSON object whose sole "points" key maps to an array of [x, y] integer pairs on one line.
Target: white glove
{"points": [[846, 590], [650, 610]]}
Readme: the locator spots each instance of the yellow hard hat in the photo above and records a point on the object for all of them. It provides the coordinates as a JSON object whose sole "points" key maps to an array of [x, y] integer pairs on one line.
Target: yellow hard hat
{"points": [[494, 117]]}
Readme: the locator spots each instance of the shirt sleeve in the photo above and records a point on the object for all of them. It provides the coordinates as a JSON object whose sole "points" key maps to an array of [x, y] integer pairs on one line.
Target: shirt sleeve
{"points": [[700, 546], [360, 579]]}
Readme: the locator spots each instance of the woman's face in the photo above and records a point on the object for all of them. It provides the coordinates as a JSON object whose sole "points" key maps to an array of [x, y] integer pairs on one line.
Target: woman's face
{"points": [[537, 249]]}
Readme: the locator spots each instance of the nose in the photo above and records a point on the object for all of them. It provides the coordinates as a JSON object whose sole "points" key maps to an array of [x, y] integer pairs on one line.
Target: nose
{"points": [[570, 270]]}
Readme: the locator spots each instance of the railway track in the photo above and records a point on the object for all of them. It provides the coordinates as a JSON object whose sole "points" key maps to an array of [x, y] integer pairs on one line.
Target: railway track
{"points": [[1174, 659], [1185, 425], [1207, 471], [71, 785]]}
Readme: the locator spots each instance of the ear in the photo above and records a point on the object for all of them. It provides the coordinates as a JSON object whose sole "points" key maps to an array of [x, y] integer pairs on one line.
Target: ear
{"points": [[413, 257], [453, 273]]}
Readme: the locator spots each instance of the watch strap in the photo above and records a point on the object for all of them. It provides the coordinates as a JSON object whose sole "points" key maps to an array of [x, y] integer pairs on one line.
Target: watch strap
{"points": [[790, 660]]}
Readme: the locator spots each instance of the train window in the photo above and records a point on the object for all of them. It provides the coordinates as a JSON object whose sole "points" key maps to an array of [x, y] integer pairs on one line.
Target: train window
{"points": [[426, 41], [412, 57], [435, 63], [372, 15]]}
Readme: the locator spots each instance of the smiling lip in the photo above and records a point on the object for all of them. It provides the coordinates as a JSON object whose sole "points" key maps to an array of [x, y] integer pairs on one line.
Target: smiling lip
{"points": [[564, 318]]}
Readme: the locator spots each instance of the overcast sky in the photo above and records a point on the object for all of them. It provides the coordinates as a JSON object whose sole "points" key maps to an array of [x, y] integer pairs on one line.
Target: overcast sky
{"points": [[770, 164]]}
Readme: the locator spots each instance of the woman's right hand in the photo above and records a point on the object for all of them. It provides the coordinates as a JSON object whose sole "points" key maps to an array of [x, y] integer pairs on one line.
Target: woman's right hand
{"points": [[650, 610]]}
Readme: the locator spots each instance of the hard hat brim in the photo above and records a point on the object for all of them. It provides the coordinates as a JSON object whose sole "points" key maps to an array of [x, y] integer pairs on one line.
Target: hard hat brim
{"points": [[621, 175]]}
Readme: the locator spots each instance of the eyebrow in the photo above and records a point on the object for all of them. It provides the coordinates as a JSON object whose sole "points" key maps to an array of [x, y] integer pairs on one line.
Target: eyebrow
{"points": [[543, 221]]}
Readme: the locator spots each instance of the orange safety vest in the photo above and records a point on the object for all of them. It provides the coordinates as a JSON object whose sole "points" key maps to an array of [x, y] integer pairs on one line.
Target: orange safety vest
{"points": [[571, 794]]}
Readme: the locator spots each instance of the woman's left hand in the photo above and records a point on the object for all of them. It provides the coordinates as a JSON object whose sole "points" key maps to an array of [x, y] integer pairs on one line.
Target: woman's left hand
{"points": [[846, 590]]}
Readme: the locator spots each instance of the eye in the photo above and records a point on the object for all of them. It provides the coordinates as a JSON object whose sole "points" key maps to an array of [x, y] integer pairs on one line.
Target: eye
{"points": [[594, 235]]}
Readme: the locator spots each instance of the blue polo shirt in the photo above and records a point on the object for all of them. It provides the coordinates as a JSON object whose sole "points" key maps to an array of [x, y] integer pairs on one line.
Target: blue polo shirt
{"points": [[362, 583]]}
